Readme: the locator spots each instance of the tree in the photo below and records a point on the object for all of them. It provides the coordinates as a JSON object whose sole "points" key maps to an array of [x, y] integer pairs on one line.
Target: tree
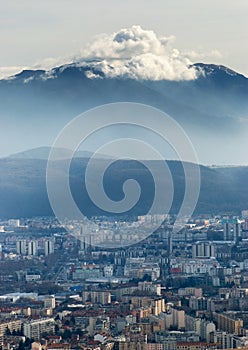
{"points": [[79, 332], [21, 345], [56, 329], [27, 343], [147, 278], [7, 331], [67, 334], [72, 321]]}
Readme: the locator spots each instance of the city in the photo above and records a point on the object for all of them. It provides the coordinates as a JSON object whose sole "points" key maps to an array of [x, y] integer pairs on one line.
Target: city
{"points": [[185, 290]]}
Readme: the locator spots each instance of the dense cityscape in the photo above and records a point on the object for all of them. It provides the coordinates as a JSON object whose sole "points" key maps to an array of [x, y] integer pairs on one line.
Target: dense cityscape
{"points": [[185, 290]]}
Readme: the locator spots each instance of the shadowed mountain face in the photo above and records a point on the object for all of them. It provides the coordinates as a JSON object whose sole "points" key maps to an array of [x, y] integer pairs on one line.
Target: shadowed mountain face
{"points": [[213, 109], [23, 186]]}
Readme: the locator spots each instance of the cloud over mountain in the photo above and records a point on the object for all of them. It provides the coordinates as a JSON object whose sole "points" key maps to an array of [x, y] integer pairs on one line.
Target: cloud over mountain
{"points": [[130, 53], [139, 54]]}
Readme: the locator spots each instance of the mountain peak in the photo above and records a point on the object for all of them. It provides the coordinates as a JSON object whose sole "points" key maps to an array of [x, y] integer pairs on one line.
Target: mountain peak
{"points": [[214, 69]]}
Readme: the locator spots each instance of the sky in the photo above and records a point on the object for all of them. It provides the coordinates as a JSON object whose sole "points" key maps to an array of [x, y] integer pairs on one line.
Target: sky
{"points": [[36, 33]]}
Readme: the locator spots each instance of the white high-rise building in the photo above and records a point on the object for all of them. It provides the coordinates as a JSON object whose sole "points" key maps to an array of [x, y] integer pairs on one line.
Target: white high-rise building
{"points": [[203, 250], [49, 247], [227, 231], [244, 214], [236, 230], [108, 270], [35, 329], [178, 318], [14, 222], [232, 229], [21, 247], [49, 302], [32, 248]]}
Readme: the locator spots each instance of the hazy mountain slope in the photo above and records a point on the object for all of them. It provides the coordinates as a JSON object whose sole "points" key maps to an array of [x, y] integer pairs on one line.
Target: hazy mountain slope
{"points": [[23, 187], [43, 153], [38, 104]]}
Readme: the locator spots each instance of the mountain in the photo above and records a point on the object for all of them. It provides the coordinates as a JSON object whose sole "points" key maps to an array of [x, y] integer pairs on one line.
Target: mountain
{"points": [[36, 105], [23, 186], [43, 153], [213, 108]]}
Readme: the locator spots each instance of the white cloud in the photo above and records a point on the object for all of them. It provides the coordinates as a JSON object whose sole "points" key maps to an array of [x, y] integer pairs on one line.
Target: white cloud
{"points": [[8, 71], [201, 55], [139, 54], [51, 62]]}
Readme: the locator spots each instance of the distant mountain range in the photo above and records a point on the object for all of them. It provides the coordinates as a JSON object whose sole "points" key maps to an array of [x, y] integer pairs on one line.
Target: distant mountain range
{"points": [[23, 186], [213, 109], [42, 153]]}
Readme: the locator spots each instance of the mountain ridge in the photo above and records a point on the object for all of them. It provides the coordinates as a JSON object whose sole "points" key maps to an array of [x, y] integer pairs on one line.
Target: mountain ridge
{"points": [[204, 68], [43, 153], [23, 190], [63, 153]]}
